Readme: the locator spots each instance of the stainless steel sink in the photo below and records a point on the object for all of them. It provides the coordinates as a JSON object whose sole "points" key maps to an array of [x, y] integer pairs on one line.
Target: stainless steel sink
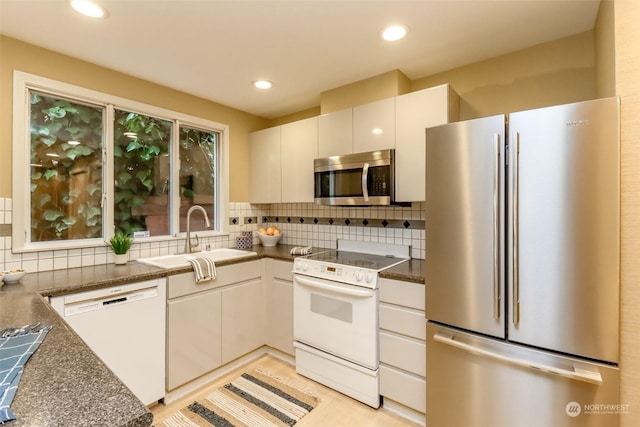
{"points": [[182, 260]]}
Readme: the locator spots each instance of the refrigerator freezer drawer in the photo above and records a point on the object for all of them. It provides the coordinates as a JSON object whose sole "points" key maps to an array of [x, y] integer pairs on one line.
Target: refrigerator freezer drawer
{"points": [[403, 387], [405, 353], [485, 382]]}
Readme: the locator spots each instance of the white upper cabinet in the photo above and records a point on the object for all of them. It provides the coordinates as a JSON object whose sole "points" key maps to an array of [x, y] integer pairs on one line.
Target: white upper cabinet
{"points": [[415, 112], [265, 178], [298, 147], [281, 158], [374, 126], [335, 133]]}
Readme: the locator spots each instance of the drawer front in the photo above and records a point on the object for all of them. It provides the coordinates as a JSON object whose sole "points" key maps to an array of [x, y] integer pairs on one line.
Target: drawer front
{"points": [[405, 353], [403, 321], [407, 294], [185, 283], [407, 389], [282, 270]]}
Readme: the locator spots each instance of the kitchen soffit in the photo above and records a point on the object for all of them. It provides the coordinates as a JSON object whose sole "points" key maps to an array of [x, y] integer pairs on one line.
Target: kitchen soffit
{"points": [[214, 49]]}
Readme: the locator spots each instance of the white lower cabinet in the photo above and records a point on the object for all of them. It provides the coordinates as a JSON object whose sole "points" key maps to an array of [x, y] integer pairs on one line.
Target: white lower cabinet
{"points": [[402, 344], [212, 323], [279, 303], [194, 336], [243, 322]]}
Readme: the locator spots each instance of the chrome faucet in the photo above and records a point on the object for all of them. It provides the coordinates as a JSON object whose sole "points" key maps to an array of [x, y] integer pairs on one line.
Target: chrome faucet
{"points": [[188, 247]]}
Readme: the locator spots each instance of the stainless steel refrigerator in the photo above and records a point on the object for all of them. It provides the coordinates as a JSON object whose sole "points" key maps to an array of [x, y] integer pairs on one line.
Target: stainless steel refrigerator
{"points": [[522, 269]]}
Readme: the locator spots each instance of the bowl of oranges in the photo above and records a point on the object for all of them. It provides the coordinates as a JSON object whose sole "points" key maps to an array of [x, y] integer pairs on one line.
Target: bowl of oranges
{"points": [[269, 236]]}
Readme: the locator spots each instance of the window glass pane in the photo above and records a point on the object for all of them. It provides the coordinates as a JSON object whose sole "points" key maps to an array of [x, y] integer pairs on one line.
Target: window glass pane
{"points": [[197, 175], [141, 173], [66, 169]]}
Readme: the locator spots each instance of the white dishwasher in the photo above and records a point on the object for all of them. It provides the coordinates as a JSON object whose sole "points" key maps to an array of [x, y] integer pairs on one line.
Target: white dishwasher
{"points": [[125, 326]]}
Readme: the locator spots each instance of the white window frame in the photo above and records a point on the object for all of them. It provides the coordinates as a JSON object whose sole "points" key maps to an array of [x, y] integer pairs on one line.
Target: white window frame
{"points": [[23, 83]]}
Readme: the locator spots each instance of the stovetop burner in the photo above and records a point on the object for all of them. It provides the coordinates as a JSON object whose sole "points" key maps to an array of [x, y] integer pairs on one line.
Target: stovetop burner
{"points": [[352, 263], [356, 259]]}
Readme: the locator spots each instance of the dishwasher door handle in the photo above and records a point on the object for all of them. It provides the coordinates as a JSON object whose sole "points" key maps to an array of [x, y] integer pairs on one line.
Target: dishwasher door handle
{"points": [[106, 301]]}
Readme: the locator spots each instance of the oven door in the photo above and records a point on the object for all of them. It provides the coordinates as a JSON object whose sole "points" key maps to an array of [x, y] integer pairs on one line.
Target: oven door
{"points": [[336, 318]]}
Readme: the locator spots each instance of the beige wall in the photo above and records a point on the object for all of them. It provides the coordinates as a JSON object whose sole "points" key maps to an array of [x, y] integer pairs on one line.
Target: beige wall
{"points": [[378, 87], [627, 72], [31, 59], [553, 73], [300, 115], [605, 51], [557, 72]]}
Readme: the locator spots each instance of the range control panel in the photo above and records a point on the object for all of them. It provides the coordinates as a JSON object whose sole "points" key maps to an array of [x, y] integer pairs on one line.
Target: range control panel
{"points": [[340, 273]]}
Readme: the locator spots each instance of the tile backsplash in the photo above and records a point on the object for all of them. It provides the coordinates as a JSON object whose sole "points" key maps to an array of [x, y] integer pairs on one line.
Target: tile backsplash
{"points": [[303, 224]]}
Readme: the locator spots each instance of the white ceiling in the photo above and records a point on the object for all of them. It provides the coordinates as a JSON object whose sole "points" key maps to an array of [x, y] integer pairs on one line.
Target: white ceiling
{"points": [[215, 48]]}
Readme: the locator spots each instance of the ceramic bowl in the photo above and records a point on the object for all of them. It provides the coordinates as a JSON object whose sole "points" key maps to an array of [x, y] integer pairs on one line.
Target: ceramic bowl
{"points": [[268, 240], [13, 276]]}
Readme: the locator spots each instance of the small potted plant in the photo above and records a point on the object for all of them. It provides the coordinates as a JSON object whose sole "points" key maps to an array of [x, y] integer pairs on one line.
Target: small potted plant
{"points": [[120, 244]]}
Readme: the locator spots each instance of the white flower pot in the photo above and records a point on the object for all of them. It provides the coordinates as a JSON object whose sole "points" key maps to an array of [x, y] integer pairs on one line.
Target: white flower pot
{"points": [[120, 259]]}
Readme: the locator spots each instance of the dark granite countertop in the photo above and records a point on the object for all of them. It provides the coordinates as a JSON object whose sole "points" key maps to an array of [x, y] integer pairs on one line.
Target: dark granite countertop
{"points": [[65, 383], [410, 271]]}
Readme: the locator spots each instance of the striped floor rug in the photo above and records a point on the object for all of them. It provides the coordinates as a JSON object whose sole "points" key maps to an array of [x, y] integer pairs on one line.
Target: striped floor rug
{"points": [[255, 399]]}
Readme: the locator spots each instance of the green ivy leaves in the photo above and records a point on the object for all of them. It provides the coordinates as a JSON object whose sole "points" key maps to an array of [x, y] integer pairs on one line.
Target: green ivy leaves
{"points": [[66, 169]]}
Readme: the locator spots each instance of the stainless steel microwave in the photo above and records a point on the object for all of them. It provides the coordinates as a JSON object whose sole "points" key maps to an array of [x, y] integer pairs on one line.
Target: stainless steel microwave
{"points": [[361, 179]]}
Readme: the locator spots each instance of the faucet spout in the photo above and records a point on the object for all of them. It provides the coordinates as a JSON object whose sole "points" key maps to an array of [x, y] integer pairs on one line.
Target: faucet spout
{"points": [[188, 247]]}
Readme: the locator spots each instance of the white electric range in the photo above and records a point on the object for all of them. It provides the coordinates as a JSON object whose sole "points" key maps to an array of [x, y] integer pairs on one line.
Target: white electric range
{"points": [[335, 309]]}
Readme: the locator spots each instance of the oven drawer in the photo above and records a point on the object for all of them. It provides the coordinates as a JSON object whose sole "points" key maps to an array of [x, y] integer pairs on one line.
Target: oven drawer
{"points": [[407, 389], [402, 293], [405, 353], [403, 321], [346, 377], [337, 318]]}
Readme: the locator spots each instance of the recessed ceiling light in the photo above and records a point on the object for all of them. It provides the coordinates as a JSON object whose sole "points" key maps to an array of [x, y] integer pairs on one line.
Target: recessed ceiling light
{"points": [[89, 8], [394, 32], [263, 84]]}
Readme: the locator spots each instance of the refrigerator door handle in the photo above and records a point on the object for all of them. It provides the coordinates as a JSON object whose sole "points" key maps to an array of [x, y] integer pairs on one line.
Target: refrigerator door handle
{"points": [[579, 374], [496, 227], [516, 287]]}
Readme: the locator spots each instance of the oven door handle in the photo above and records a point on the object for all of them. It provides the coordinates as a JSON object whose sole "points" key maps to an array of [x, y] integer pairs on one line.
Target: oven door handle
{"points": [[327, 286]]}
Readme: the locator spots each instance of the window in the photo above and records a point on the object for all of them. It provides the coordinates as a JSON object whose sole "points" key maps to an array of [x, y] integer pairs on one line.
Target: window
{"points": [[87, 164], [66, 169], [197, 174], [141, 173]]}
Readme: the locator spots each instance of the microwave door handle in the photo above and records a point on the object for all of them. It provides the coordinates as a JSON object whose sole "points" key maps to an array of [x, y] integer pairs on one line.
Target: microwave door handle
{"points": [[365, 177]]}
